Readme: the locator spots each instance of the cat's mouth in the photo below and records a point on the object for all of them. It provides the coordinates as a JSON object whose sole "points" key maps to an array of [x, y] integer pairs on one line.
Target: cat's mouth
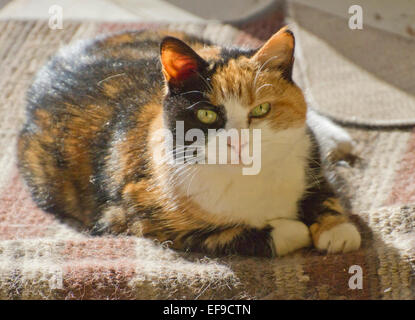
{"points": [[234, 157], [236, 154], [237, 148], [231, 155], [240, 155]]}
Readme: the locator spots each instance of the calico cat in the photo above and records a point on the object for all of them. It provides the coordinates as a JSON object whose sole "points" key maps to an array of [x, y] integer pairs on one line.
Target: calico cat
{"points": [[87, 150]]}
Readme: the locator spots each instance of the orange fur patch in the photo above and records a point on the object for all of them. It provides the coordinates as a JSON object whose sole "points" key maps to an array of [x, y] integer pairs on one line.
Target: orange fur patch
{"points": [[334, 204], [242, 80], [325, 223], [222, 239]]}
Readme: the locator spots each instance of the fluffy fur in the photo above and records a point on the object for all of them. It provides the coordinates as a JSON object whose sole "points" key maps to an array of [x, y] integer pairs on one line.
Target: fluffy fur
{"points": [[94, 111]]}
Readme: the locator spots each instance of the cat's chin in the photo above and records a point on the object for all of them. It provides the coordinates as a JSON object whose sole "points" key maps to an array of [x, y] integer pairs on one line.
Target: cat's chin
{"points": [[227, 171]]}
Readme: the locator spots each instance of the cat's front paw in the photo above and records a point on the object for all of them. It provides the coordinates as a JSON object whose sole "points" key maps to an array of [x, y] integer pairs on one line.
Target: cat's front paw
{"points": [[289, 235], [343, 237]]}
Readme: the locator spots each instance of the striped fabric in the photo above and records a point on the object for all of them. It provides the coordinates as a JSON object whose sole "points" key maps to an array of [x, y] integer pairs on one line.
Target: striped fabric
{"points": [[44, 258]]}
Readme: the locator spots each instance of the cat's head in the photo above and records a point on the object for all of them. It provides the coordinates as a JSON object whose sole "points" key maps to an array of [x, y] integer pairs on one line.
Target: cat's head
{"points": [[219, 88]]}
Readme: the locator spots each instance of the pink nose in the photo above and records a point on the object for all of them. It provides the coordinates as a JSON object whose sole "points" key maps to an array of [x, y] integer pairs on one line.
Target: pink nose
{"points": [[237, 146]]}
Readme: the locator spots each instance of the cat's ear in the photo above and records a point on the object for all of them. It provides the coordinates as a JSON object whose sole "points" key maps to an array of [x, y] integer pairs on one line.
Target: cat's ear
{"points": [[278, 52], [180, 62]]}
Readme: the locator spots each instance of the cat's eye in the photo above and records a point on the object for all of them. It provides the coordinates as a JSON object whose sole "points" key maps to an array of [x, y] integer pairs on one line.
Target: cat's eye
{"points": [[260, 110], [207, 116]]}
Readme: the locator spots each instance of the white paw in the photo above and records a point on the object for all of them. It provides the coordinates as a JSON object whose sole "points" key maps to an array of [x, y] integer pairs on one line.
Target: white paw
{"points": [[289, 235], [341, 238]]}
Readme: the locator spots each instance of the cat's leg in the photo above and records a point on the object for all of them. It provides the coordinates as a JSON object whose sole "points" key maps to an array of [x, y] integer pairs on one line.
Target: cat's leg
{"points": [[331, 138], [140, 214], [113, 219], [330, 228], [289, 235], [280, 238], [283, 236], [332, 232], [320, 209], [237, 239]]}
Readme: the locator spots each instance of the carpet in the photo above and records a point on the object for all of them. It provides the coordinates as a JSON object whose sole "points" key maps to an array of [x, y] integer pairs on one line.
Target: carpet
{"points": [[43, 258], [370, 80]]}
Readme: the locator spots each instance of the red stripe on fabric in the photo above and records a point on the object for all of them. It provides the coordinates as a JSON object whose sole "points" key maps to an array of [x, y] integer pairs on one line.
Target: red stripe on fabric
{"points": [[102, 248], [403, 191], [19, 215], [329, 276]]}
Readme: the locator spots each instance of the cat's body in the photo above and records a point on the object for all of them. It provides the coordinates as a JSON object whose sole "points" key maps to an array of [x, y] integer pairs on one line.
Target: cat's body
{"points": [[88, 148]]}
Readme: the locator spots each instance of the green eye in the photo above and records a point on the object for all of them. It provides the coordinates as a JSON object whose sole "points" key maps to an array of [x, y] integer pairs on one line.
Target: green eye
{"points": [[260, 110], [207, 116]]}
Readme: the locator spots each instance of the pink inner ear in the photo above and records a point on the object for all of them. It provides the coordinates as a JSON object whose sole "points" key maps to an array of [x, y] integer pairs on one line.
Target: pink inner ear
{"points": [[184, 67]]}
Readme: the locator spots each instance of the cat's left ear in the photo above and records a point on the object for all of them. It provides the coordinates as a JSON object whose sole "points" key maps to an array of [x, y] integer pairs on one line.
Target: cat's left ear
{"points": [[180, 62], [278, 52]]}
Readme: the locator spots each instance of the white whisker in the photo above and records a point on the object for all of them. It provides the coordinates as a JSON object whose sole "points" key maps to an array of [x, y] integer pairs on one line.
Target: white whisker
{"points": [[205, 81], [260, 69], [263, 86], [197, 103], [193, 91], [110, 77], [190, 182]]}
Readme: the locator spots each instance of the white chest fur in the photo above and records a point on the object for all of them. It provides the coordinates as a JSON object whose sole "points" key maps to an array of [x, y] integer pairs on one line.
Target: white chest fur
{"points": [[255, 199]]}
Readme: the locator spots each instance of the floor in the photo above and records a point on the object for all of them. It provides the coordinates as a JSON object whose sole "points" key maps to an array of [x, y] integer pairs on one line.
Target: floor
{"points": [[396, 17], [134, 10]]}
